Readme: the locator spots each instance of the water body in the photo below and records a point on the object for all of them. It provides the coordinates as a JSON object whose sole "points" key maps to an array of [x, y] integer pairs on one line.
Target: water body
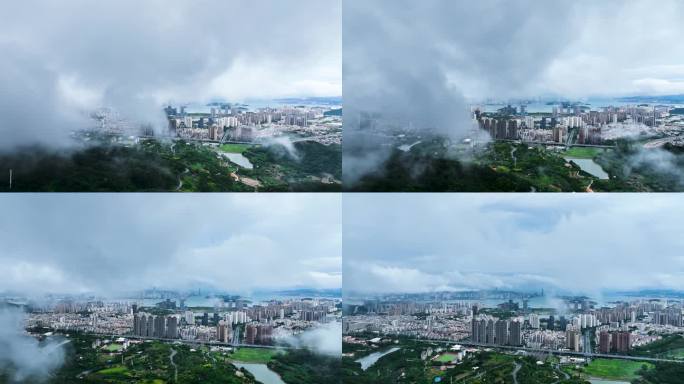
{"points": [[260, 372], [593, 104], [602, 381], [239, 159], [210, 300], [255, 105], [407, 147], [369, 360], [192, 301], [590, 166]]}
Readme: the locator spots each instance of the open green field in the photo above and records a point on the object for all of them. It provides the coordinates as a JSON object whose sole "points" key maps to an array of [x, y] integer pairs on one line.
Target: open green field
{"points": [[234, 148], [254, 355], [113, 347], [119, 370], [446, 358], [614, 369], [583, 152]]}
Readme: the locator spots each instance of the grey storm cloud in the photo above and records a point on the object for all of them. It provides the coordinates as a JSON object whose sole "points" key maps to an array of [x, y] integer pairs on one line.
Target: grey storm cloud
{"points": [[117, 243], [421, 63], [61, 59], [570, 243]]}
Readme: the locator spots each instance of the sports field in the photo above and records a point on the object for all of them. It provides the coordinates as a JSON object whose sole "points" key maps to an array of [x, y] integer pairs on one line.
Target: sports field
{"points": [[446, 358]]}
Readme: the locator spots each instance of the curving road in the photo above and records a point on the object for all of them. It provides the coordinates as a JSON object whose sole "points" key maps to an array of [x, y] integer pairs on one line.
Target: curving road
{"points": [[558, 369], [515, 372], [180, 179], [515, 159], [175, 368]]}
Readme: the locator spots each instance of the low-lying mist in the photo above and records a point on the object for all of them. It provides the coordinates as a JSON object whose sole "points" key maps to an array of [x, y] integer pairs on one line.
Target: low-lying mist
{"points": [[282, 144], [325, 339], [23, 356]]}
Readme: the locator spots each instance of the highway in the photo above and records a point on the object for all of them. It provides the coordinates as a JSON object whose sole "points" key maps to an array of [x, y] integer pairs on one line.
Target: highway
{"points": [[296, 140], [195, 140], [195, 342], [554, 143], [554, 352]]}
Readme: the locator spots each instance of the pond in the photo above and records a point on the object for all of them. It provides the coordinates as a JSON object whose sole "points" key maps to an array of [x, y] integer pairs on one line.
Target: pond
{"points": [[590, 166], [239, 159], [261, 372], [407, 147], [369, 360]]}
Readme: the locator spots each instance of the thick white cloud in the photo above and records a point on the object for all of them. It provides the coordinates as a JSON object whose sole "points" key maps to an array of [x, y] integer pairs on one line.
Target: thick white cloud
{"points": [[116, 243], [60, 58], [421, 63], [428, 242]]}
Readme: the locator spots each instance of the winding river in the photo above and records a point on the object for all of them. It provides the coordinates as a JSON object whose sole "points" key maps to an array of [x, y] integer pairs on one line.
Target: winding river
{"points": [[590, 166], [369, 360], [239, 159], [261, 372]]}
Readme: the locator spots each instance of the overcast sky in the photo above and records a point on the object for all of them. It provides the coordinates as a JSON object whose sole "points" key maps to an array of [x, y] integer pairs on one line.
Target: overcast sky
{"points": [[112, 243], [500, 48], [571, 243], [63, 57]]}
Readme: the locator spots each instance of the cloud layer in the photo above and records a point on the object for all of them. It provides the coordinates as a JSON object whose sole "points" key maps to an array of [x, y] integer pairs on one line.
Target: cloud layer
{"points": [[325, 339], [431, 242], [117, 243], [24, 356], [420, 64], [498, 49], [60, 59]]}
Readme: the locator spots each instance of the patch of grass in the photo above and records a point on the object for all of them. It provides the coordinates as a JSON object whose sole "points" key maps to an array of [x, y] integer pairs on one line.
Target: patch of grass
{"points": [[118, 370], [234, 148], [254, 355], [583, 152], [446, 358], [615, 369], [113, 347]]}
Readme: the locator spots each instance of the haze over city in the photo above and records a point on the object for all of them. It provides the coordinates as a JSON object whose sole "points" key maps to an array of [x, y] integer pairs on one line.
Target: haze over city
{"points": [[561, 243]]}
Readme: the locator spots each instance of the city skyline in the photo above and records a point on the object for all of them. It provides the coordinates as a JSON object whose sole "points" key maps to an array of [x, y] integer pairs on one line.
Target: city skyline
{"points": [[562, 244], [115, 244]]}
